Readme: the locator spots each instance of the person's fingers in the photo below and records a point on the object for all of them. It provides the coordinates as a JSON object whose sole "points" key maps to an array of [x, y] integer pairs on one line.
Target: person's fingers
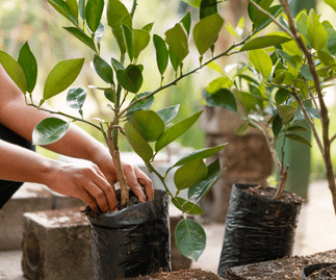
{"points": [[133, 182], [108, 190], [145, 182], [98, 195], [89, 200]]}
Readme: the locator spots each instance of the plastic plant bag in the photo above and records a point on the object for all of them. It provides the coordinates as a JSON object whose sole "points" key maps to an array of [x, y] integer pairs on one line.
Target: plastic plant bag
{"points": [[133, 241], [257, 229]]}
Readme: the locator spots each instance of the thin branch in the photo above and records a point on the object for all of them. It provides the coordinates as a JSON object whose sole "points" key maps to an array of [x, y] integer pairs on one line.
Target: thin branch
{"points": [[282, 184], [332, 139]]}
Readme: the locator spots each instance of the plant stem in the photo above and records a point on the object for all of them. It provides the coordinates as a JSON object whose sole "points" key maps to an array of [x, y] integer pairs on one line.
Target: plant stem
{"points": [[282, 184]]}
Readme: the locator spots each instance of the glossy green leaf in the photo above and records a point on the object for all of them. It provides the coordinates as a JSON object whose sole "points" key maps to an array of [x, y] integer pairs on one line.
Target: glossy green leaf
{"points": [[199, 190], [255, 15], [76, 98], [148, 124], [277, 125], [190, 238], [281, 96], [109, 95], [247, 100], [128, 33], [275, 11], [141, 40], [230, 28], [326, 58], [219, 83], [175, 131], [63, 8], [141, 105], [73, 5], [169, 113], [80, 35], [331, 32], [49, 131], [208, 8], [174, 60], [148, 27], [242, 129], [331, 3], [266, 41], [261, 62], [14, 70], [206, 31], [195, 3], [241, 23], [200, 154], [297, 128], [131, 78], [28, 64], [188, 207], [305, 72], [161, 53], [81, 8], [287, 112], [100, 32], [190, 173], [287, 57], [222, 98], [93, 14], [62, 76], [317, 34], [214, 66], [177, 40], [103, 69], [257, 93], [299, 139], [248, 79], [302, 23], [186, 21], [117, 65], [138, 143]]}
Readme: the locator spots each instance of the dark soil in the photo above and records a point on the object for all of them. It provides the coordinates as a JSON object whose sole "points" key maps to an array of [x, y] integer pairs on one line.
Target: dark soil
{"points": [[269, 192], [327, 273], [191, 274]]}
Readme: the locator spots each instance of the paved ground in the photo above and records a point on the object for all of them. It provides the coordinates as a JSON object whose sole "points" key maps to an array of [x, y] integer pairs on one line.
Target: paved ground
{"points": [[316, 232]]}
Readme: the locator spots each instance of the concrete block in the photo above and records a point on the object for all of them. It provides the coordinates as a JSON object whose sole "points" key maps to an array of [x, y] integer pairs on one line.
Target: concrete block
{"points": [[30, 197], [57, 245]]}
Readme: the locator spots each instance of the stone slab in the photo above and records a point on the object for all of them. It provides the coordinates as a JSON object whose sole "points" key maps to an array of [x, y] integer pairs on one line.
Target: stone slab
{"points": [[57, 245]]}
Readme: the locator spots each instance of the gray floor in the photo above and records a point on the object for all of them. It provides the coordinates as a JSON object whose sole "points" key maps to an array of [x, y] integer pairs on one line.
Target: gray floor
{"points": [[315, 233]]}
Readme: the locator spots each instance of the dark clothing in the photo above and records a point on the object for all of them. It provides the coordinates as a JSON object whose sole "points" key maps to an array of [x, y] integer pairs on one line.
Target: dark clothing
{"points": [[8, 188]]}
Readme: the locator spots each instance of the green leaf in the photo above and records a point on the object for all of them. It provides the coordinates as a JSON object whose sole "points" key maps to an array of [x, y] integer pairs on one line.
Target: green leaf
{"points": [[190, 173], [281, 96], [287, 112], [49, 131], [131, 78], [287, 57], [331, 37], [103, 69], [248, 79], [200, 154], [241, 23], [208, 8], [190, 238], [93, 14], [141, 40], [14, 70], [255, 15], [195, 3], [73, 7], [148, 27], [188, 207], [29, 66], [242, 129], [302, 23], [206, 32], [275, 11], [63, 8], [76, 98], [100, 32], [199, 190], [148, 124], [266, 41], [277, 125], [174, 60], [214, 66], [161, 53], [129, 41], [109, 95], [177, 41], [169, 113], [317, 34], [141, 105], [175, 131], [299, 139], [219, 83], [305, 72], [297, 128], [326, 58], [247, 100], [138, 143], [222, 98], [80, 35], [230, 28], [186, 21], [117, 65], [261, 62], [331, 3], [62, 76], [81, 7]]}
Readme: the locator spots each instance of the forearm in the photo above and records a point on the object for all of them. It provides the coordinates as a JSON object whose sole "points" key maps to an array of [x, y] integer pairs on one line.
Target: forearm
{"points": [[22, 165]]}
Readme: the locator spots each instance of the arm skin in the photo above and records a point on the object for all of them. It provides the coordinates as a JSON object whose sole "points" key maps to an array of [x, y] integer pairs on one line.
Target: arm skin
{"points": [[93, 183]]}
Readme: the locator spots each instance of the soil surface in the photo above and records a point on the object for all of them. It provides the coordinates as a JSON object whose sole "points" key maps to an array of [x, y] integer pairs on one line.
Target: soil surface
{"points": [[327, 273], [269, 192], [191, 274]]}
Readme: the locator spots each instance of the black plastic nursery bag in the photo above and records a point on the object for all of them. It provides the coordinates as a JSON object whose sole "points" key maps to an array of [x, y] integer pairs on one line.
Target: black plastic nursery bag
{"points": [[257, 229], [131, 242], [309, 270]]}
